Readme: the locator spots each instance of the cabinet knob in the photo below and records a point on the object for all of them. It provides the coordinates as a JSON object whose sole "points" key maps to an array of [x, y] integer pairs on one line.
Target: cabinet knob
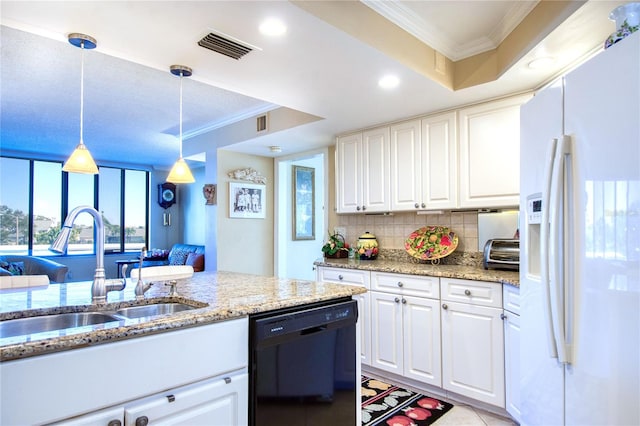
{"points": [[313, 269], [467, 292], [340, 277], [142, 421], [397, 300], [416, 205], [364, 208], [114, 423], [404, 301], [400, 284], [358, 208], [503, 317], [424, 205], [445, 306]]}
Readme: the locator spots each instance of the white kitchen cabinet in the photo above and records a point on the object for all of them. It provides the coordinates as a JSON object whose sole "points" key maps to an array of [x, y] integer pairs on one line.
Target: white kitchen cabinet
{"points": [[512, 350], [473, 340], [68, 384], [405, 326], [423, 156], [362, 172], [221, 401], [489, 156], [358, 278]]}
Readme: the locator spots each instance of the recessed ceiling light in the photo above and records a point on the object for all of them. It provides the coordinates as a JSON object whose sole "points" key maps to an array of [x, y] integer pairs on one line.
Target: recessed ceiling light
{"points": [[541, 63], [389, 81], [273, 27]]}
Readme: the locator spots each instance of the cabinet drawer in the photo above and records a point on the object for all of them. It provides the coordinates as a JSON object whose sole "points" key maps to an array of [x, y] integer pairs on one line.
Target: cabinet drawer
{"points": [[511, 298], [475, 292], [344, 276], [410, 285]]}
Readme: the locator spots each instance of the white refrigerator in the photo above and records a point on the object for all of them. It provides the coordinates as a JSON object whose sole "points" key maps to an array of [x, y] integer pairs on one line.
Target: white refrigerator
{"points": [[580, 239]]}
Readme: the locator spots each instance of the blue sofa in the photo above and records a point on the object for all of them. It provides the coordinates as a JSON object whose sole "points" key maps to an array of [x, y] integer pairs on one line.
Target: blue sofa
{"points": [[179, 255], [32, 265]]}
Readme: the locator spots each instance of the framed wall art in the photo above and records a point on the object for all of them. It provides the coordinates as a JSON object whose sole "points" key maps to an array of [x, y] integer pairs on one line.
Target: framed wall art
{"points": [[304, 218], [247, 200]]}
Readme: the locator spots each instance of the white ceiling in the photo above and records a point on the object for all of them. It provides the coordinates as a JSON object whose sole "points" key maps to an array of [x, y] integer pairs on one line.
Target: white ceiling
{"points": [[131, 99]]}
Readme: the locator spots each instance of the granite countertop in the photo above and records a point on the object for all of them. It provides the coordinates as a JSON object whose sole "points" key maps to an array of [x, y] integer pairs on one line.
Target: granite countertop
{"points": [[222, 295], [466, 272]]}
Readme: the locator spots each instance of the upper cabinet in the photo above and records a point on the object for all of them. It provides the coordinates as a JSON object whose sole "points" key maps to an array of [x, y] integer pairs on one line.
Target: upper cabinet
{"points": [[461, 159], [362, 172], [424, 164], [490, 154]]}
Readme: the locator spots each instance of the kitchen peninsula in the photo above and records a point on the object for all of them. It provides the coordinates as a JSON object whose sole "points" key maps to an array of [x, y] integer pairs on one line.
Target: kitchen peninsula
{"points": [[109, 371]]}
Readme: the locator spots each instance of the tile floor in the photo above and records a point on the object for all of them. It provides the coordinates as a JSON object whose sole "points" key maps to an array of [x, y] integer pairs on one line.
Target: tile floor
{"points": [[465, 415]]}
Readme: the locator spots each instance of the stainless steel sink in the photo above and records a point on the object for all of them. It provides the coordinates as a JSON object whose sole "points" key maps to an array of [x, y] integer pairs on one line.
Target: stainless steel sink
{"points": [[53, 322], [155, 309]]}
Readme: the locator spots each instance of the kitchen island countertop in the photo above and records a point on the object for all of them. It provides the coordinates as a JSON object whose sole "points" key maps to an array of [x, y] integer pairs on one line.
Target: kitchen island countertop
{"points": [[464, 272], [222, 295]]}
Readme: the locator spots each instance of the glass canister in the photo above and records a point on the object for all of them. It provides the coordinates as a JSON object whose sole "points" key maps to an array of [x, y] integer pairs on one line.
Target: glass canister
{"points": [[367, 246]]}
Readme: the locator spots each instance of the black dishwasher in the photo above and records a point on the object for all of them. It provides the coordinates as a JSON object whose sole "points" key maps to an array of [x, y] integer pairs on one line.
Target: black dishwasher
{"points": [[303, 365]]}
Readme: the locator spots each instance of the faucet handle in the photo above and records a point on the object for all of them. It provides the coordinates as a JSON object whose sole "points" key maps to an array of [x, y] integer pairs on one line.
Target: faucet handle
{"points": [[173, 291]]}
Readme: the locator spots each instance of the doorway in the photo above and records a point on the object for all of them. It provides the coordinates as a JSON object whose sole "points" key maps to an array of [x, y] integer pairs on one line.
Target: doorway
{"points": [[294, 257]]}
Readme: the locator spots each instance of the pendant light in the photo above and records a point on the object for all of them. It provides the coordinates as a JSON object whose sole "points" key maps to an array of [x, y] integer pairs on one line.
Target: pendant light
{"points": [[180, 172], [80, 160]]}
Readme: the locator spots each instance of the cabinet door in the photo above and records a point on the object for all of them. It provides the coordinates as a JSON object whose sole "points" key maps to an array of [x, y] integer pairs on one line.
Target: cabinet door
{"points": [[221, 401], [421, 328], [405, 168], [386, 332], [364, 323], [375, 170], [512, 364], [490, 153], [439, 160], [473, 352], [349, 173], [113, 416]]}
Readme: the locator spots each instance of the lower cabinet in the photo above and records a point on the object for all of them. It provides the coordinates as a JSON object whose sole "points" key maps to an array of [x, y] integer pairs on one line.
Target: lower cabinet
{"points": [[512, 350], [405, 327], [219, 401], [473, 340]]}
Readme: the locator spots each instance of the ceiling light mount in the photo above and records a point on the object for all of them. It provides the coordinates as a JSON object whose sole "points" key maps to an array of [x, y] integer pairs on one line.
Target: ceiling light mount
{"points": [[181, 70], [82, 41]]}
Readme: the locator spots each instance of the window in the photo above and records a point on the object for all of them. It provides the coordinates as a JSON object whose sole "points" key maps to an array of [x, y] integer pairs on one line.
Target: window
{"points": [[35, 195]]}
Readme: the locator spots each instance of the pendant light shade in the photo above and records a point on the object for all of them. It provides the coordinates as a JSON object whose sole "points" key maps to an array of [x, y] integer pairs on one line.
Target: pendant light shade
{"points": [[180, 172], [80, 160]]}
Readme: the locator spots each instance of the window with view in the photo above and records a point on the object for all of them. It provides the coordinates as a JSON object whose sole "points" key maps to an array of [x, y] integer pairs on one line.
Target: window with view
{"points": [[36, 195]]}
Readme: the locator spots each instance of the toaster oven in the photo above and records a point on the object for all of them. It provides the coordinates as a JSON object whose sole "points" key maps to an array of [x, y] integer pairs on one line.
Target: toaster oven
{"points": [[502, 254]]}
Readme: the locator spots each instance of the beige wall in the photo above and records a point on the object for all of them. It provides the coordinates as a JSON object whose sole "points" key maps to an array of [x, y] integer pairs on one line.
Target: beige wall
{"points": [[391, 231], [244, 245]]}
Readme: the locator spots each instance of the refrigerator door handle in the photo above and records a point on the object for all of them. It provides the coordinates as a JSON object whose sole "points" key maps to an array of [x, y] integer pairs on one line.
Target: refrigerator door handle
{"points": [[544, 250], [556, 248]]}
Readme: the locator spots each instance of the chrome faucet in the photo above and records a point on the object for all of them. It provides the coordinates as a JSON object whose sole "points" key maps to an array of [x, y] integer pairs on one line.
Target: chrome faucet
{"points": [[100, 286], [141, 287]]}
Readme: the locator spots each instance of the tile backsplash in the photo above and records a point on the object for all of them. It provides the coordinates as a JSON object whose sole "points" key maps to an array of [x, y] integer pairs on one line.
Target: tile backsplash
{"points": [[392, 230]]}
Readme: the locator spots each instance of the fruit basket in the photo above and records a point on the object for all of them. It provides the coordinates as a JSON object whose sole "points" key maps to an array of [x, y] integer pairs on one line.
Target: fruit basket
{"points": [[335, 247]]}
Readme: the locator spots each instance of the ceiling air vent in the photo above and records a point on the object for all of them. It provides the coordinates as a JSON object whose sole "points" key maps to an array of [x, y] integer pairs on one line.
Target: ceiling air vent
{"points": [[225, 46], [261, 123]]}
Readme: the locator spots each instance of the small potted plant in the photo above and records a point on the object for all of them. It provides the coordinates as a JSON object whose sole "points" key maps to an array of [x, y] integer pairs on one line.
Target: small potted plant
{"points": [[335, 247]]}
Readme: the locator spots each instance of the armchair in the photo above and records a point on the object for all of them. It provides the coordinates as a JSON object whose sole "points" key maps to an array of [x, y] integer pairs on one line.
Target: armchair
{"points": [[33, 265]]}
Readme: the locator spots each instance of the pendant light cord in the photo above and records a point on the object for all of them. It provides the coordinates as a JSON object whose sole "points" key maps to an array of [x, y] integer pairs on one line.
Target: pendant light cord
{"points": [[81, 90], [181, 75]]}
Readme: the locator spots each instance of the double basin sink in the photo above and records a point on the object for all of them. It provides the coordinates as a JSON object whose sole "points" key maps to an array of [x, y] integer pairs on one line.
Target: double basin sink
{"points": [[61, 321]]}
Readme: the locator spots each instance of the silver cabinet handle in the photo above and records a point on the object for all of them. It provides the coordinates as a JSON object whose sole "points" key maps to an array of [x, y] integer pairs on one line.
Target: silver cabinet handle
{"points": [[404, 301], [358, 208], [364, 208], [114, 423], [424, 205], [142, 421], [400, 284], [444, 306], [416, 205], [397, 300], [503, 317], [467, 292], [340, 277]]}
